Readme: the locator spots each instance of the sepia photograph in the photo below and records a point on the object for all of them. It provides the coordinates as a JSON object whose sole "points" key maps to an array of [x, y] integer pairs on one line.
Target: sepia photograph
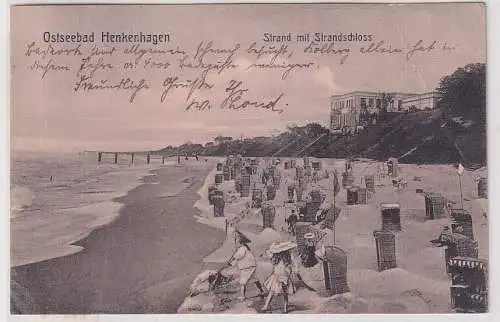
{"points": [[306, 158]]}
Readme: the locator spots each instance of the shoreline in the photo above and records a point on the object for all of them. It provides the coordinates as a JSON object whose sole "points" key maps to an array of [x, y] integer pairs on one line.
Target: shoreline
{"points": [[130, 265], [40, 276], [96, 213]]}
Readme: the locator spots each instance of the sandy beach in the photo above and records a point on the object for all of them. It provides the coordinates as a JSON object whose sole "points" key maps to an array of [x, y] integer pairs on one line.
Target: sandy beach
{"points": [[141, 262], [165, 235], [419, 283]]}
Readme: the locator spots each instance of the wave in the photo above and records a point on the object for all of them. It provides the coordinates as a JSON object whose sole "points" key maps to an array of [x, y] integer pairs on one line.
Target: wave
{"points": [[20, 199], [48, 217]]}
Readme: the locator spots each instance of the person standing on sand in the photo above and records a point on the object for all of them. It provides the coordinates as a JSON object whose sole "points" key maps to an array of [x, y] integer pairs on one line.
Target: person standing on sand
{"points": [[280, 282], [315, 177], [244, 259], [292, 222]]}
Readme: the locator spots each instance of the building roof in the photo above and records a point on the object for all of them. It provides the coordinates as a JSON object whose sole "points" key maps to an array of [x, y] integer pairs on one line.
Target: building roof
{"points": [[408, 95], [420, 96], [359, 92]]}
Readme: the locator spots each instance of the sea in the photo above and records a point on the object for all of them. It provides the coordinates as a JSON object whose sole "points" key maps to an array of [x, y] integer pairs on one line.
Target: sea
{"points": [[57, 199]]}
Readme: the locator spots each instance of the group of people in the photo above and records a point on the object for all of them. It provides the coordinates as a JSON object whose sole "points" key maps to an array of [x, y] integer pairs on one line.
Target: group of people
{"points": [[280, 280], [296, 216], [186, 157]]}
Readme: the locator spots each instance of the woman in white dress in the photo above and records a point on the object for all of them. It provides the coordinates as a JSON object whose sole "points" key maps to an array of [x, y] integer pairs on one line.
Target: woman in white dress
{"points": [[279, 282]]}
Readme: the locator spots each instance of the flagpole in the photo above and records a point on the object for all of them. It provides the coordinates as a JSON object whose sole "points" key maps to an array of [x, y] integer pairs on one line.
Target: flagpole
{"points": [[461, 195], [335, 184], [334, 219], [460, 171]]}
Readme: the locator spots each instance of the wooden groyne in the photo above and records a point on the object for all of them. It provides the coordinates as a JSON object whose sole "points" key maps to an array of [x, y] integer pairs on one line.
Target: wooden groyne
{"points": [[131, 155]]}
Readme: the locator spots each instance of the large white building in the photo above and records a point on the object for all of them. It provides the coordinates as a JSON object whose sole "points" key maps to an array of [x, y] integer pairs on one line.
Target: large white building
{"points": [[421, 101], [346, 109]]}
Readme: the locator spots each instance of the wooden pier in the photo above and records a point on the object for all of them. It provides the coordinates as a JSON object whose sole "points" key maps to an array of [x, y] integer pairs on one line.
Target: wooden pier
{"points": [[131, 155]]}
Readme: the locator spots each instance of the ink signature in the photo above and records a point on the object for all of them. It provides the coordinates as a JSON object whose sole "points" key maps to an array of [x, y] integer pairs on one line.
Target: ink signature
{"points": [[235, 101]]}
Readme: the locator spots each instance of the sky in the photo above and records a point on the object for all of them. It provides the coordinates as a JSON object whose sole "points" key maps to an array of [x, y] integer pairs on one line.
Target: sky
{"points": [[47, 114]]}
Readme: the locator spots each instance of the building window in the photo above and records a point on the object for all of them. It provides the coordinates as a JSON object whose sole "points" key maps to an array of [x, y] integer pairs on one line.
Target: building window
{"points": [[379, 103], [363, 102], [370, 102]]}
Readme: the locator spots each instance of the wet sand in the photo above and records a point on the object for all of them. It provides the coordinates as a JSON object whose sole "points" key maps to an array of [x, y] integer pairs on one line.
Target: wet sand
{"points": [[142, 262]]}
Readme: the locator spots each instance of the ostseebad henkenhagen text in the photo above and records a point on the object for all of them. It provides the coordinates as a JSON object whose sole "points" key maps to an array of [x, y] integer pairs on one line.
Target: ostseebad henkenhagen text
{"points": [[107, 37]]}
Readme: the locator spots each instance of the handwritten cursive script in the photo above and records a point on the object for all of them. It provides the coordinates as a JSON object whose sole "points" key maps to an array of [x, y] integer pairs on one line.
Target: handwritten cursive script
{"points": [[85, 83], [420, 47], [200, 73], [235, 101], [288, 67], [198, 83], [50, 65]]}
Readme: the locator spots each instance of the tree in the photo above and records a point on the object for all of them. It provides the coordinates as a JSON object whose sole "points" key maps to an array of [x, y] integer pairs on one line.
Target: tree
{"points": [[314, 130], [219, 139], [463, 93], [222, 139]]}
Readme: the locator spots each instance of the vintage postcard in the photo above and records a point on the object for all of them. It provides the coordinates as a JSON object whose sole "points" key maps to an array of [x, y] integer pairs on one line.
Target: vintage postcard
{"points": [[248, 159]]}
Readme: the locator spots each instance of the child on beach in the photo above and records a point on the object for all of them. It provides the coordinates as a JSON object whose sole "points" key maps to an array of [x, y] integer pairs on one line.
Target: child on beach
{"points": [[279, 282], [245, 261]]}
